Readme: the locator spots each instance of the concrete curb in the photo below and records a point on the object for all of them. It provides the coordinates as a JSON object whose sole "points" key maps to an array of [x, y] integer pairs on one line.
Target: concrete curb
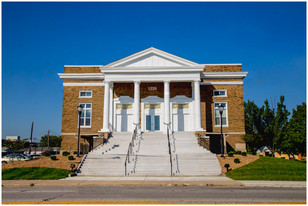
{"points": [[151, 182], [295, 184], [126, 181]]}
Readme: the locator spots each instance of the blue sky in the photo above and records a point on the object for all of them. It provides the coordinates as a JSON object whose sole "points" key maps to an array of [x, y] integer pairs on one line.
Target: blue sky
{"points": [[38, 39]]}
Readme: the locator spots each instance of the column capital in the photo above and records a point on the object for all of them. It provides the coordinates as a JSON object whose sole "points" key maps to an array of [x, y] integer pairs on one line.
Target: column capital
{"points": [[107, 82], [137, 81], [166, 81], [197, 81]]}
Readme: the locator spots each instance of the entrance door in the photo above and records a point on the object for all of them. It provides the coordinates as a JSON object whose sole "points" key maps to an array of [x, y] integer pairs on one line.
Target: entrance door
{"points": [[124, 118], [180, 117], [152, 117]]}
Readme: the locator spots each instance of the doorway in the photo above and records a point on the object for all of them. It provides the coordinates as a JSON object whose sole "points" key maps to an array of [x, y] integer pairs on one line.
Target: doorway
{"points": [[152, 117]]}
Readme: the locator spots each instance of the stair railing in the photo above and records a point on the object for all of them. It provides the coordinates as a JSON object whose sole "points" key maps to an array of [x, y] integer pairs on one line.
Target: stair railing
{"points": [[130, 148], [169, 146]]}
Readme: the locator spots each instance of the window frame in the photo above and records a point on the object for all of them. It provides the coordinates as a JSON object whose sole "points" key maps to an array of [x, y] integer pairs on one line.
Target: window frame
{"points": [[220, 95], [86, 92], [225, 110], [84, 109]]}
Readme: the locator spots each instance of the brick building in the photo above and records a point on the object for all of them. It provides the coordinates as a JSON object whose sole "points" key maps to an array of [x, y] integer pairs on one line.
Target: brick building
{"points": [[151, 88]]}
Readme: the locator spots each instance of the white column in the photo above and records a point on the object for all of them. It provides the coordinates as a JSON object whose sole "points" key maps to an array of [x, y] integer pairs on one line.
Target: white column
{"points": [[111, 107], [137, 102], [106, 107], [167, 101], [197, 106]]}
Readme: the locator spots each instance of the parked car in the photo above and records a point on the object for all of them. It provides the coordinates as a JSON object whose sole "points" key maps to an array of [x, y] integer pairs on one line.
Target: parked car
{"points": [[36, 155], [50, 152], [28, 156], [14, 158]]}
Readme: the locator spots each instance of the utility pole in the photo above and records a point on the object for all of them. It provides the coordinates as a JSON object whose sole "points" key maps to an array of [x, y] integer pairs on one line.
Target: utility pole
{"points": [[48, 140], [31, 138]]}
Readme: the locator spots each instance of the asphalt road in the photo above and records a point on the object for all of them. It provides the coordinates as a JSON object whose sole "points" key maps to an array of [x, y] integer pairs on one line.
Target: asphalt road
{"points": [[178, 193]]}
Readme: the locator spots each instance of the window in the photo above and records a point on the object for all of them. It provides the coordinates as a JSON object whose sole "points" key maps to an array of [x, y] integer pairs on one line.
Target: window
{"points": [[85, 117], [224, 114], [85, 94], [220, 93]]}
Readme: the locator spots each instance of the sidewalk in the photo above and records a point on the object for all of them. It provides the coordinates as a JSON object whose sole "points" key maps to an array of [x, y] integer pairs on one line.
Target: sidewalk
{"points": [[152, 181], [127, 181], [297, 184]]}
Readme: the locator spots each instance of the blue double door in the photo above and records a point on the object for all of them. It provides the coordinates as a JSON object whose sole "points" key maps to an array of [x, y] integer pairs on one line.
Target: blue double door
{"points": [[152, 121]]}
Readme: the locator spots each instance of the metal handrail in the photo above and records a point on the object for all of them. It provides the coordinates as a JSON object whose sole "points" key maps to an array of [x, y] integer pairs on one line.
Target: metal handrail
{"points": [[130, 148], [168, 136]]}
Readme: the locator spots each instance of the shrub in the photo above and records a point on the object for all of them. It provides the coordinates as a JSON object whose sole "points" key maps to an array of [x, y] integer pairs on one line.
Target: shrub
{"points": [[239, 152], [70, 157], [65, 153], [249, 153], [32, 184], [237, 160], [254, 153], [47, 154], [231, 153], [244, 154], [53, 158], [270, 155], [75, 152]]}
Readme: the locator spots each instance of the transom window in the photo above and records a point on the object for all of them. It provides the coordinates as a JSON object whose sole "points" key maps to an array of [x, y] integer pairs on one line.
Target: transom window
{"points": [[85, 94], [220, 93], [224, 114], [85, 117]]}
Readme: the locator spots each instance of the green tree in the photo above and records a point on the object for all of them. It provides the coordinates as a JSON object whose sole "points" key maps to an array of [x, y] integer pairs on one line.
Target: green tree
{"points": [[252, 125], [14, 144], [295, 138], [280, 122], [54, 141], [267, 116]]}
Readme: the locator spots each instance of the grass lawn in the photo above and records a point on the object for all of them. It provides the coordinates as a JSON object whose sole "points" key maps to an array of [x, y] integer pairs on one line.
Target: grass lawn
{"points": [[270, 168], [34, 173]]}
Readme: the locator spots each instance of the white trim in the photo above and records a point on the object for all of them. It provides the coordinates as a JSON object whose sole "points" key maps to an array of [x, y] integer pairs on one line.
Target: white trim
{"points": [[86, 92], [214, 90], [164, 69], [222, 83], [225, 109], [84, 84], [152, 77], [81, 76], [70, 134], [152, 50], [223, 75]]}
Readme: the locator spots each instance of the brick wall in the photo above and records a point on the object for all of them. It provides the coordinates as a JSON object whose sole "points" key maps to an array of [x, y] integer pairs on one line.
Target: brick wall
{"points": [[89, 69], [70, 115], [223, 68]]}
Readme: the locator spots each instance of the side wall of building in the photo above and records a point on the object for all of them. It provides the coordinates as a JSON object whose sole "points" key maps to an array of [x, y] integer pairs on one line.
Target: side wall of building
{"points": [[71, 100]]}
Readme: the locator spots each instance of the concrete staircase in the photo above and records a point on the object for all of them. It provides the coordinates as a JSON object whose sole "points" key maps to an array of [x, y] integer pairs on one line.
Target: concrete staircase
{"points": [[190, 159], [153, 157], [150, 156], [108, 159]]}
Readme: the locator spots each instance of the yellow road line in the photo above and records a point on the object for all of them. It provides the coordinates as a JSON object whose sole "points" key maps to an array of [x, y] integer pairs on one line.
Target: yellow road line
{"points": [[150, 202]]}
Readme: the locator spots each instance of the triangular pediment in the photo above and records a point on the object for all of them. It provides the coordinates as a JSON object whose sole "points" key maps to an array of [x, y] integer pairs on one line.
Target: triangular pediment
{"points": [[152, 57]]}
